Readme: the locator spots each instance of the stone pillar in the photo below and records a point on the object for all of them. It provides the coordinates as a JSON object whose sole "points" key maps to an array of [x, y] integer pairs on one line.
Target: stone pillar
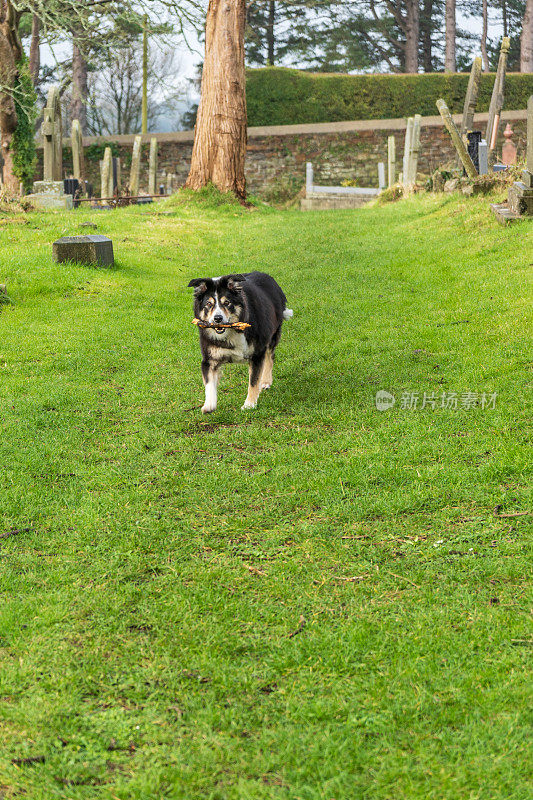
{"points": [[509, 148], [76, 143], [462, 152], [135, 167], [152, 166], [391, 159], [170, 182]]}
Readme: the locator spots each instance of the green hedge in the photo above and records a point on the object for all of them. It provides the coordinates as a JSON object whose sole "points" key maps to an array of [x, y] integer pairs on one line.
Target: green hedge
{"points": [[279, 96]]}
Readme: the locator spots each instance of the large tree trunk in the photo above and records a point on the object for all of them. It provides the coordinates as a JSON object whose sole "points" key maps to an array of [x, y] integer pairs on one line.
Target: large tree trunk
{"points": [[78, 105], [412, 29], [484, 34], [220, 135], [526, 39], [449, 57], [35, 49], [270, 32], [10, 54]]}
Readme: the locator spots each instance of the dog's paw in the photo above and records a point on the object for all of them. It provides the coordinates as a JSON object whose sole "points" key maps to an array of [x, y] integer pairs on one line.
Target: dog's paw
{"points": [[208, 408], [247, 405], [266, 385]]}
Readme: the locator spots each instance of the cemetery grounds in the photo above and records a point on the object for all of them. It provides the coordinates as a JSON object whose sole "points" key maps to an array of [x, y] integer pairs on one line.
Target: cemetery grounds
{"points": [[313, 600]]}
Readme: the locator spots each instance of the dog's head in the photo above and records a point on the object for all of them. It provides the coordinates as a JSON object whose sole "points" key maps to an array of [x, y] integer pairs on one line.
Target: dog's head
{"points": [[219, 300]]}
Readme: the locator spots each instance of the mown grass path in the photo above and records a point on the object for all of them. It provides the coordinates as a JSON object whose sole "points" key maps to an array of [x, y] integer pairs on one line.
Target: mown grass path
{"points": [[312, 600]]}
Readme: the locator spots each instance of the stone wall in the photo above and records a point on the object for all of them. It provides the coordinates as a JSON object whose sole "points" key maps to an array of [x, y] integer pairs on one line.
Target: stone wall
{"points": [[275, 164]]}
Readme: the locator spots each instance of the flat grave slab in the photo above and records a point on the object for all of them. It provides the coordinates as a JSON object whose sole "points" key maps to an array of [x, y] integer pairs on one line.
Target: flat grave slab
{"points": [[91, 249], [504, 214]]}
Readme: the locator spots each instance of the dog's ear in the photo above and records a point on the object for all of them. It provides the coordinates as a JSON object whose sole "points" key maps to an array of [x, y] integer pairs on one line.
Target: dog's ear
{"points": [[235, 282], [199, 285]]}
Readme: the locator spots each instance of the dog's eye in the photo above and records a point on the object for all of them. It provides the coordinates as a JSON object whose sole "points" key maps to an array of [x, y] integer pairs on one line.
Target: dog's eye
{"points": [[208, 304]]}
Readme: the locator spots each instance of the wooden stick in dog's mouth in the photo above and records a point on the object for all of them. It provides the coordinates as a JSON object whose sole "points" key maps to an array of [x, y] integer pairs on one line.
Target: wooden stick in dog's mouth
{"points": [[240, 326]]}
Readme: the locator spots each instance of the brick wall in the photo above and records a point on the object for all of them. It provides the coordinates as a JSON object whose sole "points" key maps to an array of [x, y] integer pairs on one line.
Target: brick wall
{"points": [[277, 155]]}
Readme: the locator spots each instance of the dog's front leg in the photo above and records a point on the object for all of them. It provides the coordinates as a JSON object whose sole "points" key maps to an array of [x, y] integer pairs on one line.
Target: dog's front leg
{"points": [[254, 383], [210, 375]]}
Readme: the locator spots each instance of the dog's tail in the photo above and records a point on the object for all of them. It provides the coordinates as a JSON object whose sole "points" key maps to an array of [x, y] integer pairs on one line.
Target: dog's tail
{"points": [[288, 313]]}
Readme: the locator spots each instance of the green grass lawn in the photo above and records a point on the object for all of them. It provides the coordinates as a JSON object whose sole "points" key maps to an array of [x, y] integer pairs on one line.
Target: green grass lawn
{"points": [[315, 599]]}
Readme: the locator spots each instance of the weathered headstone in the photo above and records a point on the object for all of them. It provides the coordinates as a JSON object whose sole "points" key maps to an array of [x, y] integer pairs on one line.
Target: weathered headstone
{"points": [[49, 193], [483, 157], [391, 159], [170, 182], [471, 97], [106, 175], [407, 149], [462, 152], [52, 137], [92, 249], [520, 195], [76, 143], [473, 139], [135, 167], [498, 94], [413, 152], [152, 166], [115, 176]]}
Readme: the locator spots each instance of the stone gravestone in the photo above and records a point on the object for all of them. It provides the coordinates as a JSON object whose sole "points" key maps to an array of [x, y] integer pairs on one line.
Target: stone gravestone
{"points": [[152, 166], [76, 143], [170, 182], [115, 176], [106, 174], [520, 195], [135, 167], [93, 249], [483, 157], [407, 150], [473, 140], [413, 151], [309, 177], [471, 97], [391, 159], [497, 99], [52, 137], [49, 193], [462, 152]]}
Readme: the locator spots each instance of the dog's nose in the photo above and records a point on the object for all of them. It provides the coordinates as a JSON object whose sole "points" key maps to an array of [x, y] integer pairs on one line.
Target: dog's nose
{"points": [[218, 318]]}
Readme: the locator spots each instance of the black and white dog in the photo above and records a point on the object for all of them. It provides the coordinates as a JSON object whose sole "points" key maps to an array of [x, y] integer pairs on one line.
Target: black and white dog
{"points": [[254, 298]]}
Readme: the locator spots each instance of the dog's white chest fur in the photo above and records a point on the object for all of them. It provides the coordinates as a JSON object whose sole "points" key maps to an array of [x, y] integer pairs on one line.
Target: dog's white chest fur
{"points": [[240, 349]]}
